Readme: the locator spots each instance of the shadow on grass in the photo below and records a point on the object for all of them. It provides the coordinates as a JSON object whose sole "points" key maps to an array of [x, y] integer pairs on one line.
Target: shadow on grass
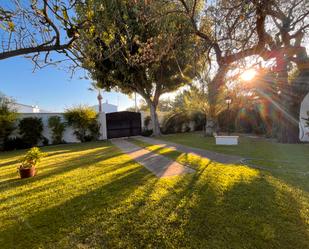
{"points": [[61, 223], [290, 176], [53, 185], [207, 209], [197, 213], [84, 160], [253, 214]]}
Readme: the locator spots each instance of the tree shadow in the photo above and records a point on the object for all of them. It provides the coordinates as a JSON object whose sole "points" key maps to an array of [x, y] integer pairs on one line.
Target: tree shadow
{"points": [[54, 184], [60, 224], [207, 209], [85, 160], [201, 211], [292, 176], [254, 214]]}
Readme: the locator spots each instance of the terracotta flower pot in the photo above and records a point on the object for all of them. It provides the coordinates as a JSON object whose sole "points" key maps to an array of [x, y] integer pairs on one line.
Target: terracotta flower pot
{"points": [[27, 172]]}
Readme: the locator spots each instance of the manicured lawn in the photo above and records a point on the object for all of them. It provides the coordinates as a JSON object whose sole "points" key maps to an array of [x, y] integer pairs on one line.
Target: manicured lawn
{"points": [[93, 196], [284, 160]]}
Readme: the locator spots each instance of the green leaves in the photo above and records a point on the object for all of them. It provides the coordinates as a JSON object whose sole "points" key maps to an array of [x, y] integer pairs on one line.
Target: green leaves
{"points": [[83, 120]]}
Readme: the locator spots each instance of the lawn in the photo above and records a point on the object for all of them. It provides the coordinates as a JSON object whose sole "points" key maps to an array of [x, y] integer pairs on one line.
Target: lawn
{"points": [[289, 161], [93, 196]]}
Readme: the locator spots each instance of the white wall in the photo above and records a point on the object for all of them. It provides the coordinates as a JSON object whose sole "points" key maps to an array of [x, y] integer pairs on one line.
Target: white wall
{"points": [[304, 129], [21, 108], [68, 135]]}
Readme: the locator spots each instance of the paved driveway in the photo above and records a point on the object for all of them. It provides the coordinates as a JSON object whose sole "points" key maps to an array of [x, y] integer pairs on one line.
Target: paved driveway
{"points": [[160, 165]]}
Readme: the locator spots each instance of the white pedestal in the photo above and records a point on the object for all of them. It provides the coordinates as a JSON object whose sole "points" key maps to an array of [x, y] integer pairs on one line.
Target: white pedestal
{"points": [[226, 140]]}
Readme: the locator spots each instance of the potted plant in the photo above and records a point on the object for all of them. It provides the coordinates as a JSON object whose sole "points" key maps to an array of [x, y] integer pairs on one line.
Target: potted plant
{"points": [[29, 162]]}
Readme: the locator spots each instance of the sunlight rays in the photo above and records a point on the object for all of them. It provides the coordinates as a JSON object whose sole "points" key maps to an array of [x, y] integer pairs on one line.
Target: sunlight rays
{"points": [[248, 74]]}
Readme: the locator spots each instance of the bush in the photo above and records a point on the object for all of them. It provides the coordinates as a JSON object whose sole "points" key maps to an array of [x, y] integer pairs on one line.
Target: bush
{"points": [[32, 158], [147, 121], [94, 129], [30, 130], [57, 127], [199, 120], [146, 133], [84, 122], [8, 118], [175, 122], [16, 143], [45, 141]]}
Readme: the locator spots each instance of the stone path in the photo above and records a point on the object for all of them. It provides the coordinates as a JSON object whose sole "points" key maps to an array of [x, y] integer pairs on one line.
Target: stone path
{"points": [[214, 156], [160, 165]]}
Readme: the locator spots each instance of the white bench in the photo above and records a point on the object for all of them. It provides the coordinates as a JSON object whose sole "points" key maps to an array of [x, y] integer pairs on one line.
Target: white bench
{"points": [[226, 140]]}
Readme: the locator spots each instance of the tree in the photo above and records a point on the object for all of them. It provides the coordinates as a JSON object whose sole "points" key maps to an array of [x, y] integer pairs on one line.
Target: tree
{"points": [[8, 117], [38, 26], [221, 26], [132, 47], [288, 24]]}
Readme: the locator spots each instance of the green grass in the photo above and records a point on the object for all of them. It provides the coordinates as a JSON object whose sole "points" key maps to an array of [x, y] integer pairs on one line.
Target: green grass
{"points": [[289, 161], [93, 196]]}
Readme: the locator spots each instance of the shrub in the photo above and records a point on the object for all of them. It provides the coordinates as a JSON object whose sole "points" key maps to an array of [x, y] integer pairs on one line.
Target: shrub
{"points": [[199, 119], [57, 127], [187, 128], [84, 122], [8, 118], [45, 141], [94, 129], [146, 133], [30, 130], [147, 121], [174, 122], [32, 158], [16, 143]]}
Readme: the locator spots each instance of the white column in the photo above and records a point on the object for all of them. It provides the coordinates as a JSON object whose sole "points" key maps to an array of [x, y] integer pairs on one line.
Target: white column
{"points": [[103, 128]]}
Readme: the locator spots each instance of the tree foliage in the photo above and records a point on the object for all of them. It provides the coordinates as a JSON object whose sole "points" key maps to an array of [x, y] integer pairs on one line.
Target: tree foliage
{"points": [[131, 47], [8, 117], [38, 27]]}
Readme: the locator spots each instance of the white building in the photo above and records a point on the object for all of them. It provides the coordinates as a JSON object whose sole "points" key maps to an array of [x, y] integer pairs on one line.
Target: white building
{"points": [[21, 108], [106, 107]]}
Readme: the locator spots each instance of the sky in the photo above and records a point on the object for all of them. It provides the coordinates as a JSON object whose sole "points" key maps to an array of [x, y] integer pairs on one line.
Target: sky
{"points": [[51, 88]]}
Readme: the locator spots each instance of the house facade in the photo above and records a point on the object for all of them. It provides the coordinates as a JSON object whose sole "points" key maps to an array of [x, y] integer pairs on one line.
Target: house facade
{"points": [[106, 108], [22, 108]]}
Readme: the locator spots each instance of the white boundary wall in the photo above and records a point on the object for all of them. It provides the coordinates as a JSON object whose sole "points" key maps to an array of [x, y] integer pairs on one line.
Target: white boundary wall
{"points": [[68, 135]]}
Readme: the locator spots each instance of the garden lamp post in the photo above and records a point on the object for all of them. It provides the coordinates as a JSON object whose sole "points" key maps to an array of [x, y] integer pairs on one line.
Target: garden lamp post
{"points": [[228, 101]]}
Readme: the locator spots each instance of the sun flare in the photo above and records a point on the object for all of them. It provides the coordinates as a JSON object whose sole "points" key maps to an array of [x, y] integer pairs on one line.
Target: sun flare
{"points": [[248, 74]]}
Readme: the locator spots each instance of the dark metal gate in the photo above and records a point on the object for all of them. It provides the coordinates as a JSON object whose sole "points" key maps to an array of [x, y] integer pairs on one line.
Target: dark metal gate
{"points": [[123, 124]]}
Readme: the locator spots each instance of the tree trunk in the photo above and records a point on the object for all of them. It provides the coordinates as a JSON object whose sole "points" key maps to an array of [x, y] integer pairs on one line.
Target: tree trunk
{"points": [[214, 88], [154, 118], [210, 127]]}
